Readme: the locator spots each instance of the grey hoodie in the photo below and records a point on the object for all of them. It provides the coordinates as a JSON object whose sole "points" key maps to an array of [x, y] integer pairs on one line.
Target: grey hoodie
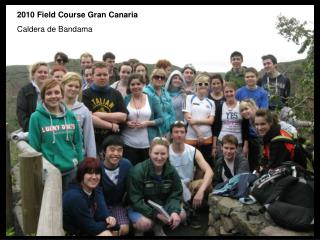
{"points": [[84, 119], [178, 98]]}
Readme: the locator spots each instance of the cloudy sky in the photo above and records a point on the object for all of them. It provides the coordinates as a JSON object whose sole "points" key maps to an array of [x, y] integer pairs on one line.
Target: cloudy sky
{"points": [[202, 35]]}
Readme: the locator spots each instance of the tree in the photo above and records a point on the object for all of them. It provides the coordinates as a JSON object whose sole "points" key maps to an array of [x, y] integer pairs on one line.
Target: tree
{"points": [[303, 101]]}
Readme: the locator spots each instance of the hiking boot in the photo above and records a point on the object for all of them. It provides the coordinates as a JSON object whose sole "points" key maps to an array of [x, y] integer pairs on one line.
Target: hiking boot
{"points": [[194, 222]]}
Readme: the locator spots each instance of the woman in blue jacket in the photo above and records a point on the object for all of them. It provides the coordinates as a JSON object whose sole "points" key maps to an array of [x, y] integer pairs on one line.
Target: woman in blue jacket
{"points": [[84, 210], [156, 89]]}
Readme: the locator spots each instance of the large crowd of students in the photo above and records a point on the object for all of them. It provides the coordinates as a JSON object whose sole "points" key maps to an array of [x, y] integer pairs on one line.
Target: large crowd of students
{"points": [[121, 138]]}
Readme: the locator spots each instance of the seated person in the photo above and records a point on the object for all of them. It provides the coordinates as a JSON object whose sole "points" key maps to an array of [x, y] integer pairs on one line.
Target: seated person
{"points": [[231, 162], [183, 157], [84, 210], [115, 169], [274, 152], [155, 179]]}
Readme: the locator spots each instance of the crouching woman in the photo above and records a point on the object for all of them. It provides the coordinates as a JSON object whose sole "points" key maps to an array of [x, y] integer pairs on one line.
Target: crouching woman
{"points": [[84, 210], [155, 179]]}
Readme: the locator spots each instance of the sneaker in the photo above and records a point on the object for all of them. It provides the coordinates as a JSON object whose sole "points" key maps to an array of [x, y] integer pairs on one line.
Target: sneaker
{"points": [[158, 230]]}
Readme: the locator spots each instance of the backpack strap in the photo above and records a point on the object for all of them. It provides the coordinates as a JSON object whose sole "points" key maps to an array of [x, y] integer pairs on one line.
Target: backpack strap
{"points": [[287, 138]]}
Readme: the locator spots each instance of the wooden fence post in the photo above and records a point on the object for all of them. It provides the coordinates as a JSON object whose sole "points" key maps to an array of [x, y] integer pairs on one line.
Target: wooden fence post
{"points": [[31, 189], [9, 209]]}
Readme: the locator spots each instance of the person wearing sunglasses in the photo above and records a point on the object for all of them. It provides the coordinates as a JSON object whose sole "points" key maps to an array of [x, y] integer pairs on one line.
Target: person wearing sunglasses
{"points": [[200, 113], [156, 90], [175, 85], [61, 58], [121, 85]]}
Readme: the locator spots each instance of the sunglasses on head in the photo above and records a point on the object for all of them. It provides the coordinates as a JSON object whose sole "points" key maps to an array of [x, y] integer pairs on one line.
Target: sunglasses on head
{"points": [[159, 77], [203, 84], [179, 122]]}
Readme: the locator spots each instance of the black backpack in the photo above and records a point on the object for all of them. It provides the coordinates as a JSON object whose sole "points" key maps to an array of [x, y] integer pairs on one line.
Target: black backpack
{"points": [[287, 194], [301, 154]]}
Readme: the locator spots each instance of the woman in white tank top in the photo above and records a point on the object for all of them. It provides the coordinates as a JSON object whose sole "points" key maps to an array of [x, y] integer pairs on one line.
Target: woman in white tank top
{"points": [[141, 125]]}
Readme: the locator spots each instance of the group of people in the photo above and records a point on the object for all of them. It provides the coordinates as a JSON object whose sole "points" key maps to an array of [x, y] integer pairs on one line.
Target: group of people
{"points": [[121, 138]]}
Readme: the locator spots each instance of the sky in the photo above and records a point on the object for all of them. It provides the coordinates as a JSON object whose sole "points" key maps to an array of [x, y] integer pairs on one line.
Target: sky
{"points": [[203, 35]]}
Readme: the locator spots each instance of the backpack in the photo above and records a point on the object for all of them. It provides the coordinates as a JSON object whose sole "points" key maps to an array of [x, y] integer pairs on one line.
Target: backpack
{"points": [[287, 194], [298, 152]]}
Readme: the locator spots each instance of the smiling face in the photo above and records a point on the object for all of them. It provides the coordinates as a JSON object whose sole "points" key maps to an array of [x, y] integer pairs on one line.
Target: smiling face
{"points": [[40, 75], [236, 62], [113, 155], [90, 181], [262, 125], [229, 93], [88, 75], [268, 65], [159, 156], [72, 89], [125, 71], [58, 75], [229, 151], [136, 86], [176, 81], [216, 85], [247, 112], [52, 98]]}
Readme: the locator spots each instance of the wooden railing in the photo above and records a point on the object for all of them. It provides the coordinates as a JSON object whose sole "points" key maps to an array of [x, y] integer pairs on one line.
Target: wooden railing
{"points": [[50, 217]]}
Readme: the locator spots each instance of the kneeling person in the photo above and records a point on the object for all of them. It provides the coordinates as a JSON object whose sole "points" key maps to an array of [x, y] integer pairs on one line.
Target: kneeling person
{"points": [[155, 179], [231, 162], [183, 158], [115, 169], [84, 210]]}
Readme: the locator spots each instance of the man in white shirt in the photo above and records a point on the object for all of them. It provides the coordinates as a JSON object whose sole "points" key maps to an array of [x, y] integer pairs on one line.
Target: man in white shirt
{"points": [[182, 157]]}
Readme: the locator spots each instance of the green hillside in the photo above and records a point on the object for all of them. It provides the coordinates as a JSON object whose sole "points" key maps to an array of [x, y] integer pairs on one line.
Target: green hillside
{"points": [[18, 75]]}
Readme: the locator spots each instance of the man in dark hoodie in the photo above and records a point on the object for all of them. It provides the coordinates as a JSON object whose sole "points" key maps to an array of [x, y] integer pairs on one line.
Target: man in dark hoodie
{"points": [[275, 83], [115, 170]]}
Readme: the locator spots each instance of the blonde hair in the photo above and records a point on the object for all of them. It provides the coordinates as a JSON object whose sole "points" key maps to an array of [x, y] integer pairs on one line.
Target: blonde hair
{"points": [[34, 68], [202, 77], [159, 141], [249, 102], [70, 77], [157, 71]]}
